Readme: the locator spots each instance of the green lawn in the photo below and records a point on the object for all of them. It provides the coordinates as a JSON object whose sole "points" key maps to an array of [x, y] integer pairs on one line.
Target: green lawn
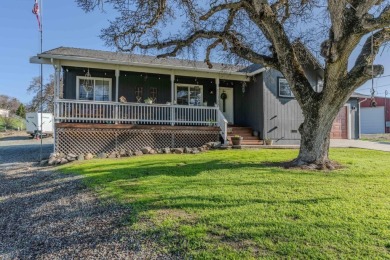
{"points": [[376, 137], [236, 204]]}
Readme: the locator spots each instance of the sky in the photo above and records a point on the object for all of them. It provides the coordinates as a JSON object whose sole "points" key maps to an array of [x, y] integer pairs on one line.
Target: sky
{"points": [[65, 24]]}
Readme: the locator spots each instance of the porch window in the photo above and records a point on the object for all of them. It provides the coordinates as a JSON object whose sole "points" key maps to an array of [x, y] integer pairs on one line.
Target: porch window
{"points": [[189, 94], [99, 90]]}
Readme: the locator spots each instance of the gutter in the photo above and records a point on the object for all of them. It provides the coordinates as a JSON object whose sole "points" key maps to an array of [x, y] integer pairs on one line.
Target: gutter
{"points": [[135, 64], [257, 72], [35, 59]]}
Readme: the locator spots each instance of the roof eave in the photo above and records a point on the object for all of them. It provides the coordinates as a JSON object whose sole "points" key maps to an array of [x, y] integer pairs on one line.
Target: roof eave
{"points": [[136, 64]]}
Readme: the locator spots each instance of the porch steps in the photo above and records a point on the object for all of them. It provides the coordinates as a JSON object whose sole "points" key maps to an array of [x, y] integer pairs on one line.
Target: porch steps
{"points": [[246, 133]]}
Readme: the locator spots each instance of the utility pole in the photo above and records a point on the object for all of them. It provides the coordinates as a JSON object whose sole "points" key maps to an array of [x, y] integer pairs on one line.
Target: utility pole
{"points": [[386, 92]]}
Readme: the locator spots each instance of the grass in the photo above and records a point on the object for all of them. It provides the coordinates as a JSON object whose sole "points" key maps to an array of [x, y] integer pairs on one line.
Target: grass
{"points": [[235, 204], [12, 123], [376, 137]]}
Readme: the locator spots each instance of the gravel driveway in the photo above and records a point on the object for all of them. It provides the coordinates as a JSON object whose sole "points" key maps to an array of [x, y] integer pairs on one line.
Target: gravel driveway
{"points": [[48, 215], [21, 148]]}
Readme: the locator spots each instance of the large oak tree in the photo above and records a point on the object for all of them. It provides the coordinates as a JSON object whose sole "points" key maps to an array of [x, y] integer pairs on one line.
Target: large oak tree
{"points": [[265, 32]]}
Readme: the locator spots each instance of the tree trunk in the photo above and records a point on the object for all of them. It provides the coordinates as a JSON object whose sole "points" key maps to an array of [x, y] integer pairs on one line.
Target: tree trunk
{"points": [[315, 139]]}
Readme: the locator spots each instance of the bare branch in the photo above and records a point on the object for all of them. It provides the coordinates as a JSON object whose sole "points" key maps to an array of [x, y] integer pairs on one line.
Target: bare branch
{"points": [[363, 69], [381, 21], [218, 8], [368, 52], [267, 21], [208, 52], [363, 7]]}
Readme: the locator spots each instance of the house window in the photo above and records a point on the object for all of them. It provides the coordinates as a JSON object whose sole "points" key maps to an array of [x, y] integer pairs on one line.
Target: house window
{"points": [[191, 95], [97, 89], [284, 89]]}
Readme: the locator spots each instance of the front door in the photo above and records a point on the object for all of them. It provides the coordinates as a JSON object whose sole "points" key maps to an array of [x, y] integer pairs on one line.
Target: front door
{"points": [[226, 103]]}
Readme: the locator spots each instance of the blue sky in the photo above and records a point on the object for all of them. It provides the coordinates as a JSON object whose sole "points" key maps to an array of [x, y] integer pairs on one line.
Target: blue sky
{"points": [[66, 25]]}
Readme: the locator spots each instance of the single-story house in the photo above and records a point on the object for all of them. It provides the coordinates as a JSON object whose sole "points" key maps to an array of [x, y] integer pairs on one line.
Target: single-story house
{"points": [[112, 100], [4, 112], [375, 119]]}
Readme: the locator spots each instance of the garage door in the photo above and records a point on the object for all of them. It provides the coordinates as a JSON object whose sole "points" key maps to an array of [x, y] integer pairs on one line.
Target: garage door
{"points": [[372, 120], [340, 125]]}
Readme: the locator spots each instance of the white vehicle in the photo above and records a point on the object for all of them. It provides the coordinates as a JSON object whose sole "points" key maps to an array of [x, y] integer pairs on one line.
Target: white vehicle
{"points": [[35, 127]]}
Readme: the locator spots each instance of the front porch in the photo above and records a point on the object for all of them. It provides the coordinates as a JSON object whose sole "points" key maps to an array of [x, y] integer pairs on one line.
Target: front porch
{"points": [[82, 138], [84, 126], [98, 96], [105, 112]]}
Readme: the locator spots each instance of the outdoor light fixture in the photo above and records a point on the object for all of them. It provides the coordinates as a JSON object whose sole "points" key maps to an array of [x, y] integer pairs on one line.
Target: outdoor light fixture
{"points": [[243, 86]]}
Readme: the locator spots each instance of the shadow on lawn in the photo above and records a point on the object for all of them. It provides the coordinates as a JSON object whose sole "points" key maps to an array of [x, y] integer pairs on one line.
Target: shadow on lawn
{"points": [[143, 186]]}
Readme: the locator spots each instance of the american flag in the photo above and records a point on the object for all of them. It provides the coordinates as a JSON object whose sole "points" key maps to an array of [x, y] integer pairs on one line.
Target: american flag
{"points": [[35, 11]]}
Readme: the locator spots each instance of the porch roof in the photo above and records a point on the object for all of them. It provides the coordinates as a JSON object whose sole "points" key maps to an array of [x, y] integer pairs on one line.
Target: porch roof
{"points": [[134, 60]]}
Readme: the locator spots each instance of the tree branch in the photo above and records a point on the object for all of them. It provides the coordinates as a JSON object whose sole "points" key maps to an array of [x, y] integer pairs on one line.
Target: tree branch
{"points": [[363, 7], [363, 69], [383, 20], [218, 8], [208, 52], [266, 19]]}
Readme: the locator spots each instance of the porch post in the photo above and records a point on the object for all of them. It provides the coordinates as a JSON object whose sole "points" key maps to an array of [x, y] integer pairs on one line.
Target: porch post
{"points": [[173, 99], [57, 83], [217, 91], [57, 76], [117, 74]]}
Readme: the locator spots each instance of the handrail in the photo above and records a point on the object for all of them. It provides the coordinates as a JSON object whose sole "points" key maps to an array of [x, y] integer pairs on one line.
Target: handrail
{"points": [[222, 122], [131, 103], [86, 111]]}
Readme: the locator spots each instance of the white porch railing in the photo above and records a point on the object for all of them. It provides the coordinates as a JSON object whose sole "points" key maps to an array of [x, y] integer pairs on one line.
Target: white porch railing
{"points": [[80, 111]]}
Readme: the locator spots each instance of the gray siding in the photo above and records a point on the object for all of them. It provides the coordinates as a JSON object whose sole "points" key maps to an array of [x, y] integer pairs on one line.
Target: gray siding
{"points": [[282, 116], [248, 106]]}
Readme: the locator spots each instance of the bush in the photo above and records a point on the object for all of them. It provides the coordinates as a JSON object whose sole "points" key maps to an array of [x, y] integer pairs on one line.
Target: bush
{"points": [[12, 123]]}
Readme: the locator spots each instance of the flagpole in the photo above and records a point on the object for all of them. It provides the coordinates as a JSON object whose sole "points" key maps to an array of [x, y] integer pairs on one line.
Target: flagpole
{"points": [[41, 76]]}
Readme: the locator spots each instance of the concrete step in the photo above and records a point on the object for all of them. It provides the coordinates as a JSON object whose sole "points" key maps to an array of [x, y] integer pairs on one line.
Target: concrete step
{"points": [[252, 142], [245, 137]]}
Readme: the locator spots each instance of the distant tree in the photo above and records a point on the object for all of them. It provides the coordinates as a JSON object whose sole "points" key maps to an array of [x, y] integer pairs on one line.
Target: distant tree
{"points": [[21, 111], [276, 33], [9, 103], [47, 98]]}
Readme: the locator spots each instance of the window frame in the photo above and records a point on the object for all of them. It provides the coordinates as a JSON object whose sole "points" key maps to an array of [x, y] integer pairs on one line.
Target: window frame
{"points": [[188, 87], [78, 78], [280, 79]]}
